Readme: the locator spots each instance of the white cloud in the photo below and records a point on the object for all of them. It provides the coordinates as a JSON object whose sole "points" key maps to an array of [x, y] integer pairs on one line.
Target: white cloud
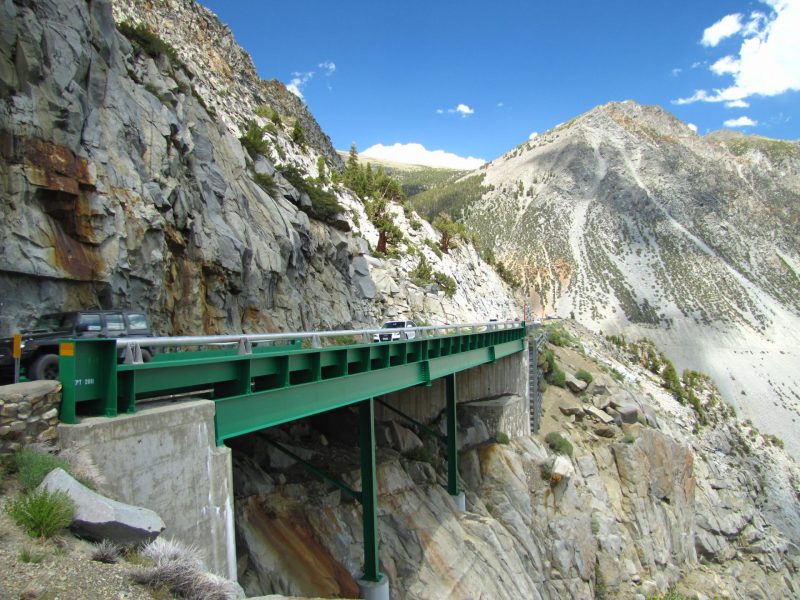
{"points": [[676, 71], [692, 126], [328, 66], [740, 122], [725, 27], [768, 61], [417, 154], [754, 25], [500, 105], [698, 96], [462, 109], [533, 135], [726, 64], [298, 82], [737, 104]]}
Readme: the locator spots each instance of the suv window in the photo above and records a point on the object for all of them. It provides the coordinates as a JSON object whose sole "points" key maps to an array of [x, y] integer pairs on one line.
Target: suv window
{"points": [[56, 322], [91, 322], [115, 322], [137, 321]]}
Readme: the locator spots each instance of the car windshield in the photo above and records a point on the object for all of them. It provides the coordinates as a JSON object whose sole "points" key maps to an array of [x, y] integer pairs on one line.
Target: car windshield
{"points": [[56, 322], [394, 325]]}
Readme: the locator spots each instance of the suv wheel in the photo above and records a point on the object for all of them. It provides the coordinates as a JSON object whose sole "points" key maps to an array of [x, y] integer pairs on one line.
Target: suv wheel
{"points": [[45, 367]]}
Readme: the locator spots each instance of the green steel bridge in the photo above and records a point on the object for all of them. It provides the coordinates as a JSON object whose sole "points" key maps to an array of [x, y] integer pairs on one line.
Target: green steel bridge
{"points": [[259, 381]]}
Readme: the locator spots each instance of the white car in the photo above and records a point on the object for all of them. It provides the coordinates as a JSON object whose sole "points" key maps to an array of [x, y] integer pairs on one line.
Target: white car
{"points": [[402, 332]]}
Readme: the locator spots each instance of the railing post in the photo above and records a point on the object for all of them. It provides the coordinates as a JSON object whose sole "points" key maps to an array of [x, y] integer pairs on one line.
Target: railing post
{"points": [[452, 443]]}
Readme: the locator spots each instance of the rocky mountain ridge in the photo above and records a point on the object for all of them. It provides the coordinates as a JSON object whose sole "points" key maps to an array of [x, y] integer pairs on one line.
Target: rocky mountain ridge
{"points": [[627, 219]]}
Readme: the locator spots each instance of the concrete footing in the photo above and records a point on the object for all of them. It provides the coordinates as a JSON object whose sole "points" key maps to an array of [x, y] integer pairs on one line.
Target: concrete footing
{"points": [[374, 590], [461, 502]]}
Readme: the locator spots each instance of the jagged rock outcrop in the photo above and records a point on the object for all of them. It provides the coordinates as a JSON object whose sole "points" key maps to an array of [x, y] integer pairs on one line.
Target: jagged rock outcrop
{"points": [[125, 185], [227, 80], [709, 510]]}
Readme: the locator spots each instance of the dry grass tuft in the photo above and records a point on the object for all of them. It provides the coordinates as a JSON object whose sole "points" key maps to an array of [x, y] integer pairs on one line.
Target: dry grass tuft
{"points": [[179, 569], [107, 552]]}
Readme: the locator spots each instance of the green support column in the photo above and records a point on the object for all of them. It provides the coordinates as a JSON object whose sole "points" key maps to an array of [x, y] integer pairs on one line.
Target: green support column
{"points": [[452, 436], [369, 492]]}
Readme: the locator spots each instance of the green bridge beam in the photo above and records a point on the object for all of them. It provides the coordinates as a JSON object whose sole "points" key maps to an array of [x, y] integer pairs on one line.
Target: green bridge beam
{"points": [[270, 386]]}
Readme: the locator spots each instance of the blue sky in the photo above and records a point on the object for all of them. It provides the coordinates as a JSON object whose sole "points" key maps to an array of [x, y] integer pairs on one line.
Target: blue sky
{"points": [[474, 79]]}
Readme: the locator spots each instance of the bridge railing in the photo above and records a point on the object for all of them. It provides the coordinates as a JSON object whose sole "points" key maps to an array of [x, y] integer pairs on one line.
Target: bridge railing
{"points": [[245, 341], [280, 376]]}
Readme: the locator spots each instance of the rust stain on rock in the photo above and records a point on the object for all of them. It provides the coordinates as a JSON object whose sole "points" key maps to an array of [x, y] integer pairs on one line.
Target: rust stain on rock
{"points": [[84, 264], [303, 557], [47, 165]]}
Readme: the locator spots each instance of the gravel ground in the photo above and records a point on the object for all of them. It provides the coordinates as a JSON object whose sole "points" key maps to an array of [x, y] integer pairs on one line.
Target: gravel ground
{"points": [[65, 571]]}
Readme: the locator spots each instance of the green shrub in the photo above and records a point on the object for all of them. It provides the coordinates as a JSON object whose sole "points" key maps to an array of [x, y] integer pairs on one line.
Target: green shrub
{"points": [[422, 274], [558, 336], [584, 375], [502, 438], [148, 41], [324, 204], [33, 467], [446, 283], [434, 246], [264, 111], [42, 514], [629, 438], [556, 377], [546, 471], [298, 137], [266, 183], [558, 443], [253, 139]]}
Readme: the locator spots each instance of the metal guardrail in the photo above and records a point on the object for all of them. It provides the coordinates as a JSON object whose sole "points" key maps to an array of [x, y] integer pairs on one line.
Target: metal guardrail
{"points": [[245, 341]]}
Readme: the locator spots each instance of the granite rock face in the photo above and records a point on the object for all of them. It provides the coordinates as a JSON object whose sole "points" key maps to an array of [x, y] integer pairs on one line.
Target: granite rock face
{"points": [[125, 185], [651, 508]]}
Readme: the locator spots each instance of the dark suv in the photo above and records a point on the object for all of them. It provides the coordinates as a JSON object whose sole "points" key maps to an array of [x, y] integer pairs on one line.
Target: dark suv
{"points": [[40, 343]]}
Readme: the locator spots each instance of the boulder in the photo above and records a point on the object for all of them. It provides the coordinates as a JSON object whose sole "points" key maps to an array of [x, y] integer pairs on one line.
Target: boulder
{"points": [[604, 431], [629, 413], [99, 518], [400, 438], [600, 415], [575, 385], [569, 411]]}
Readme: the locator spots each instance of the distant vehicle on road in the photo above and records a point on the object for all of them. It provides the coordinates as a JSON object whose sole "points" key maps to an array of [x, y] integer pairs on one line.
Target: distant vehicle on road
{"points": [[40, 343], [401, 333]]}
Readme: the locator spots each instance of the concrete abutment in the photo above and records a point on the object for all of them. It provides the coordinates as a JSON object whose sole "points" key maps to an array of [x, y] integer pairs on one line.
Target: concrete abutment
{"points": [[165, 458]]}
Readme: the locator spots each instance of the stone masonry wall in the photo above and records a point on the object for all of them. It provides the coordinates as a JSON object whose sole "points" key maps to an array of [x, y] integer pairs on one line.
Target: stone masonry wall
{"points": [[28, 414]]}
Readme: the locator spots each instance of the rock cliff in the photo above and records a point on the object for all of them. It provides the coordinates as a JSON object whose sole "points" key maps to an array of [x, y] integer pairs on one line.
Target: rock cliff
{"points": [[125, 184], [639, 507]]}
